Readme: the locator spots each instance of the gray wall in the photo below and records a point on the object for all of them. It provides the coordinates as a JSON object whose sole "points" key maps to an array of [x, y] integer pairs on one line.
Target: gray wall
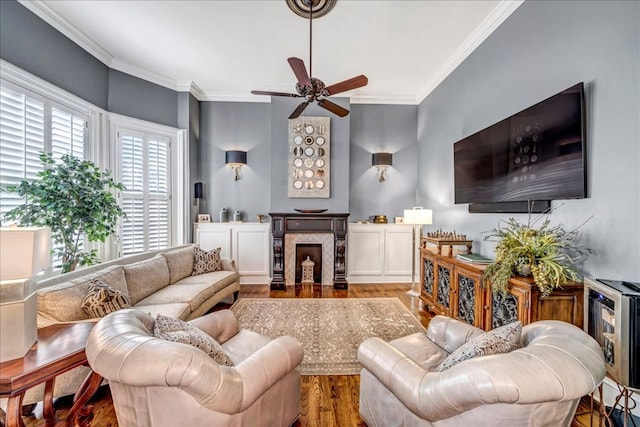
{"points": [[235, 126], [189, 119], [543, 48], [390, 129], [33, 45]]}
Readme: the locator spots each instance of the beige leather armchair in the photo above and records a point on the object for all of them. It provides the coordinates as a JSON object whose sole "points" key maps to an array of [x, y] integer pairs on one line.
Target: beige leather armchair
{"points": [[162, 383], [539, 384]]}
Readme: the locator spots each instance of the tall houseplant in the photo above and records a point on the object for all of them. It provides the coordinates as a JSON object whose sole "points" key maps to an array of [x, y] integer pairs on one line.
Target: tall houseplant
{"points": [[549, 253], [75, 199]]}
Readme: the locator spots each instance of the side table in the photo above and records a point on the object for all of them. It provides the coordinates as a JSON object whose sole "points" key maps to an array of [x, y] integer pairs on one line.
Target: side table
{"points": [[59, 349]]}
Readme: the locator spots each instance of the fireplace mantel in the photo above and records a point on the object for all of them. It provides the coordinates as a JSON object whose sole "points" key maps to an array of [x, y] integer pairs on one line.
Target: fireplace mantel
{"points": [[335, 223]]}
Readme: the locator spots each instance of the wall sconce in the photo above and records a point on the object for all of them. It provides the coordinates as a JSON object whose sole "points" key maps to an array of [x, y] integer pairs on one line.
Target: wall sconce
{"points": [[198, 193], [236, 159], [381, 161]]}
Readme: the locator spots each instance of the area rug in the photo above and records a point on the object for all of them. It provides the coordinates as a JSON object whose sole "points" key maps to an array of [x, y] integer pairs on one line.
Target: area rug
{"points": [[329, 329]]}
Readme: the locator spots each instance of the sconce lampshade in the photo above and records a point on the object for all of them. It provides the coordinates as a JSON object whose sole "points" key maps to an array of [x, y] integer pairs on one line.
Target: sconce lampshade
{"points": [[25, 251], [198, 191], [235, 158], [382, 159]]}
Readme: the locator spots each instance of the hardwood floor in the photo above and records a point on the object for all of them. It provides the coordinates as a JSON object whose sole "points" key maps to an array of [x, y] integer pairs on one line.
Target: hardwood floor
{"points": [[328, 400]]}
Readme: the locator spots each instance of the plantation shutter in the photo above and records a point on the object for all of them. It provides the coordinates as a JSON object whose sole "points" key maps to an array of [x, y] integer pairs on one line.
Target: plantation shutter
{"points": [[145, 173], [21, 141]]}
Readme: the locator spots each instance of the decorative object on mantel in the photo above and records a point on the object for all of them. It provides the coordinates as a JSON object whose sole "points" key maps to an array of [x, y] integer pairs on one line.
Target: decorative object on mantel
{"points": [[381, 161], [236, 159], [309, 87], [309, 157], [260, 217], [380, 219], [310, 211], [416, 216], [446, 238], [550, 253], [224, 215]]}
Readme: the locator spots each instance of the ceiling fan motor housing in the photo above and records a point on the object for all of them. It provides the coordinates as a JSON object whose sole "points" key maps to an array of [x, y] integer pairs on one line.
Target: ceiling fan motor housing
{"points": [[303, 7]]}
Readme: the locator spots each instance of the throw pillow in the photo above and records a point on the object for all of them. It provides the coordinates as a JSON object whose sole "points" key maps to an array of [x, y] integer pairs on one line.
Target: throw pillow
{"points": [[176, 330], [102, 299], [500, 340], [206, 262]]}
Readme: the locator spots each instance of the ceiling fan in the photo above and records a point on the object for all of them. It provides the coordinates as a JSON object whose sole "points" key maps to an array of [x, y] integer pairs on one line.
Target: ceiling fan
{"points": [[310, 88]]}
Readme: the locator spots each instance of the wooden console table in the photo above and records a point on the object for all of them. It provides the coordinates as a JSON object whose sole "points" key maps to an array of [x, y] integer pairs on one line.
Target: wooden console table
{"points": [[59, 349]]}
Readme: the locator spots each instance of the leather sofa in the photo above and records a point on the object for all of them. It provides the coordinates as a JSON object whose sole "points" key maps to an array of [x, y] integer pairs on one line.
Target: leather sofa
{"points": [[158, 383], [539, 384]]}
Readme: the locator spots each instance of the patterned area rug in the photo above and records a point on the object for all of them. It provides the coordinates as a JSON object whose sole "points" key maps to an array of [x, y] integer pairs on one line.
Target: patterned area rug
{"points": [[329, 329]]}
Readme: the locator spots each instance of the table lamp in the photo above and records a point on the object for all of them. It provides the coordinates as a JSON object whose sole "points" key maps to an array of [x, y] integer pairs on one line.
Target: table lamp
{"points": [[24, 252]]}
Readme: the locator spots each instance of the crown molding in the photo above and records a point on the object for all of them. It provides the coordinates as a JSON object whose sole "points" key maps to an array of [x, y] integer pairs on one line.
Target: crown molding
{"points": [[144, 74], [48, 15], [396, 100], [490, 23]]}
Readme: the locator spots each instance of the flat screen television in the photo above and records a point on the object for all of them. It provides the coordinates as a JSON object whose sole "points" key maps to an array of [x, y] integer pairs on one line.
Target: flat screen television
{"points": [[536, 154]]}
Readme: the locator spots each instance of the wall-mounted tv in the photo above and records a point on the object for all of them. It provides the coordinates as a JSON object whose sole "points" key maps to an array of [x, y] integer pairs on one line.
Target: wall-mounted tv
{"points": [[536, 154]]}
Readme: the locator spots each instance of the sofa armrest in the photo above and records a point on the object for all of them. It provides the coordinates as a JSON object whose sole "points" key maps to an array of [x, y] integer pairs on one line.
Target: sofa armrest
{"points": [[449, 334], [267, 366], [221, 325], [229, 265]]}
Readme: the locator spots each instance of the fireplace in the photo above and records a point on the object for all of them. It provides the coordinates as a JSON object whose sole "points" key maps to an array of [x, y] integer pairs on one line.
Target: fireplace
{"points": [[313, 252], [329, 230]]}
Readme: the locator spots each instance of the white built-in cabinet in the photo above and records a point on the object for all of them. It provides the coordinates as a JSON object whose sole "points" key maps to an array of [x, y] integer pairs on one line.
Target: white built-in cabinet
{"points": [[247, 243], [380, 253]]}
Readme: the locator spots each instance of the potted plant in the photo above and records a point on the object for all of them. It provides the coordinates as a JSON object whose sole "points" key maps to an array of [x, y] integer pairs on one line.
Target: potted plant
{"points": [[549, 253], [75, 199]]}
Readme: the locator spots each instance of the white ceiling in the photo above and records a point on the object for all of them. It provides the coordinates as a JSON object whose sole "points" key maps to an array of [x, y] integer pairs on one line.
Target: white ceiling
{"points": [[221, 50]]}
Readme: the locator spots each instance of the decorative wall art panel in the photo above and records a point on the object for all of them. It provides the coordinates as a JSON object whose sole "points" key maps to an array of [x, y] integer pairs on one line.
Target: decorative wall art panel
{"points": [[309, 157]]}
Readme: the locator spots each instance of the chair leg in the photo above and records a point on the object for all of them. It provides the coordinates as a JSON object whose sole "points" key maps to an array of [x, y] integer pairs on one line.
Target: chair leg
{"points": [[235, 296]]}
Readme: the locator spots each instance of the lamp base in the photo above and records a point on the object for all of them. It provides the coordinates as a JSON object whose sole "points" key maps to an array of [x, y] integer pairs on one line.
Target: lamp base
{"points": [[18, 326]]}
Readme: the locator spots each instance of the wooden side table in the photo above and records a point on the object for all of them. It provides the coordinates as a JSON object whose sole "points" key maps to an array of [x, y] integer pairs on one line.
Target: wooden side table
{"points": [[59, 349]]}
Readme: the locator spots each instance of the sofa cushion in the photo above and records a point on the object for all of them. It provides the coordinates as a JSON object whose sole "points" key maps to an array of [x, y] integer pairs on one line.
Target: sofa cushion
{"points": [[217, 280], [206, 261], [180, 263], [102, 299], [177, 310], [500, 340], [176, 330], [146, 277], [63, 302], [194, 295]]}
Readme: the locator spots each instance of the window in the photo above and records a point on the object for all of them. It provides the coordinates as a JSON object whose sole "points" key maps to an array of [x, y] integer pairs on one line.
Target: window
{"points": [[145, 171], [30, 124]]}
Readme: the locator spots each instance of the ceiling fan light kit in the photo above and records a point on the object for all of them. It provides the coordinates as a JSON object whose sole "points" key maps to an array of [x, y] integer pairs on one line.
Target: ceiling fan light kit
{"points": [[308, 87]]}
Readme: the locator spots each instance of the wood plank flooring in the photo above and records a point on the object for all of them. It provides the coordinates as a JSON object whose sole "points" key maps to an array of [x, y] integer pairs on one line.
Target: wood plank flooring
{"points": [[327, 400]]}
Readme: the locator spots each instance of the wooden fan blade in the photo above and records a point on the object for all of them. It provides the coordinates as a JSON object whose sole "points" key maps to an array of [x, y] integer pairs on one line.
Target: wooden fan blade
{"points": [[264, 92], [334, 108], [346, 85], [299, 109], [297, 65]]}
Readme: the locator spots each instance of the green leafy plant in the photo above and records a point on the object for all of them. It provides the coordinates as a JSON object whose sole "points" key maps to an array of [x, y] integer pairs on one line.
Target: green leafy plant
{"points": [[550, 253], [75, 199]]}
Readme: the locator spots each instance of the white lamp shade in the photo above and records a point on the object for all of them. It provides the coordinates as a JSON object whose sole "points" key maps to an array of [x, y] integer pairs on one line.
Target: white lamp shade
{"points": [[24, 251], [417, 216]]}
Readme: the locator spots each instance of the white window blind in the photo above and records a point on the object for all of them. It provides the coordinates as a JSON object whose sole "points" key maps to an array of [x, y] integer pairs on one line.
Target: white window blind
{"points": [[145, 171], [30, 124]]}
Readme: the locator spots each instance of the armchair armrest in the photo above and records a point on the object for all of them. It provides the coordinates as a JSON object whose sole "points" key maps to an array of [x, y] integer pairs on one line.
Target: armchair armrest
{"points": [[449, 334], [396, 371], [267, 366], [221, 325]]}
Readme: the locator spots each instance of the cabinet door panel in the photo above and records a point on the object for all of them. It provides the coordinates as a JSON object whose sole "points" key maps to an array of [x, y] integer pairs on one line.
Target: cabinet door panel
{"points": [[398, 251], [365, 252], [218, 237], [508, 308], [252, 251]]}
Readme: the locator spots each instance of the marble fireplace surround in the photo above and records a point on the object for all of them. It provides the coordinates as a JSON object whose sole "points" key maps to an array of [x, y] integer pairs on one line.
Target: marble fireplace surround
{"points": [[327, 229]]}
